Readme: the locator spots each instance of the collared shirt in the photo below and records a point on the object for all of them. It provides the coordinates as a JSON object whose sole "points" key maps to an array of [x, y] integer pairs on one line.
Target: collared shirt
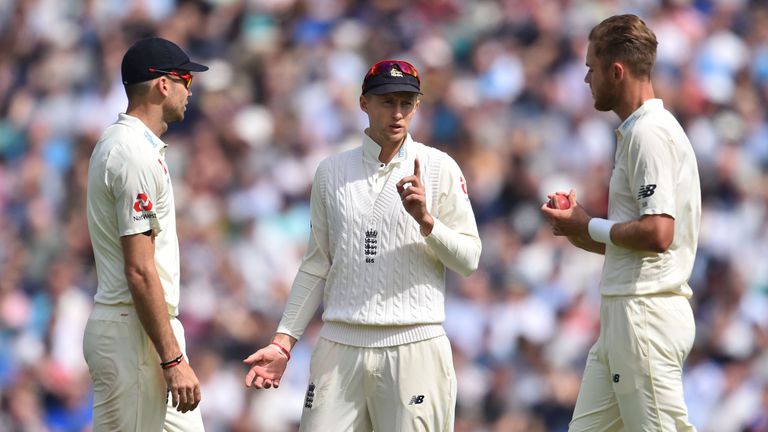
{"points": [[378, 172], [655, 172], [130, 192]]}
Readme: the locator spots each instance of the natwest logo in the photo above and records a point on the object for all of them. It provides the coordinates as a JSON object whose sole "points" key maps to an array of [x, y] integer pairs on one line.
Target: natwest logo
{"points": [[142, 203]]}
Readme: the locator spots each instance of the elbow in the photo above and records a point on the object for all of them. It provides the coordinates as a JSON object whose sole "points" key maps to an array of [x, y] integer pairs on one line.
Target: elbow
{"points": [[471, 265], [468, 270], [132, 275], [136, 276], [660, 244], [658, 232]]}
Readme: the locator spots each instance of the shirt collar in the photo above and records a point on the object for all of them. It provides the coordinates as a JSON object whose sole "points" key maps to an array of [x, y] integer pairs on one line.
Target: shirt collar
{"points": [[153, 140], [371, 150], [626, 126]]}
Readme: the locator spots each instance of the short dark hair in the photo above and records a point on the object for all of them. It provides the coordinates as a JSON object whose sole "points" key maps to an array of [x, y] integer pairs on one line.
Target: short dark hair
{"points": [[136, 90], [625, 39]]}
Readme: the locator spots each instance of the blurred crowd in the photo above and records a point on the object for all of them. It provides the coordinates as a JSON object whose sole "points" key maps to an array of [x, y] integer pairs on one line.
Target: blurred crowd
{"points": [[503, 94]]}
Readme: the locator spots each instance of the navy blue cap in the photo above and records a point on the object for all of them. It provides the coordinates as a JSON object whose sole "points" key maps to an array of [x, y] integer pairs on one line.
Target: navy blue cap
{"points": [[156, 53], [391, 76]]}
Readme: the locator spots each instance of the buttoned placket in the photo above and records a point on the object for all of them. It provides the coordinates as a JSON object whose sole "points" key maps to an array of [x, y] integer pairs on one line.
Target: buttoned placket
{"points": [[378, 172], [380, 176]]}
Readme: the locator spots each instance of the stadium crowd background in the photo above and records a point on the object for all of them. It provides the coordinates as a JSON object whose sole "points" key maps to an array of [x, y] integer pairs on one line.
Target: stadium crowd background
{"points": [[503, 93]]}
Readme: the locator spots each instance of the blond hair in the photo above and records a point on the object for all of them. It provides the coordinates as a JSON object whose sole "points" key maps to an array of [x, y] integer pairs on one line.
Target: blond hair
{"points": [[625, 39]]}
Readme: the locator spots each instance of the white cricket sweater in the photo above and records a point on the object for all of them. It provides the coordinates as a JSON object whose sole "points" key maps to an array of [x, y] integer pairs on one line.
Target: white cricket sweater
{"points": [[384, 281]]}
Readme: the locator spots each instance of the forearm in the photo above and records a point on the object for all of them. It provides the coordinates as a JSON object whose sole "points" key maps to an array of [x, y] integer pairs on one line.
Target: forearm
{"points": [[637, 236], [149, 301], [304, 299], [585, 242], [458, 251]]}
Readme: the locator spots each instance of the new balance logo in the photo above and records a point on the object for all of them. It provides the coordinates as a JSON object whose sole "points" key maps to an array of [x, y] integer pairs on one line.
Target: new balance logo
{"points": [[310, 396], [416, 400], [646, 191]]}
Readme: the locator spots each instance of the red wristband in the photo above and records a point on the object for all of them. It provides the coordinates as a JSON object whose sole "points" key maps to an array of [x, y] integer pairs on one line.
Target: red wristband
{"points": [[171, 363], [282, 349]]}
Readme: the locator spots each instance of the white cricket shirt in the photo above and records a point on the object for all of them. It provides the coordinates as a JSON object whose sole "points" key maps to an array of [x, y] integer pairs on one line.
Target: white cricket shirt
{"points": [[130, 192], [655, 172]]}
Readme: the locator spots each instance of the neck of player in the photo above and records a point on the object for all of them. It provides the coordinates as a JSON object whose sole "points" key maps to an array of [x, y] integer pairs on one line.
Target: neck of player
{"points": [[151, 116], [636, 92], [389, 148]]}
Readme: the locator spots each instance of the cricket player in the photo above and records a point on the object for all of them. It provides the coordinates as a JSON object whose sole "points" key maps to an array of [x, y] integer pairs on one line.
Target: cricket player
{"points": [[633, 376], [387, 218], [134, 345]]}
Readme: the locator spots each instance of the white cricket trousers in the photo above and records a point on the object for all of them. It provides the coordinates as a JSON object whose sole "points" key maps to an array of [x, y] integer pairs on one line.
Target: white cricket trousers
{"points": [[129, 391], [633, 378], [403, 388]]}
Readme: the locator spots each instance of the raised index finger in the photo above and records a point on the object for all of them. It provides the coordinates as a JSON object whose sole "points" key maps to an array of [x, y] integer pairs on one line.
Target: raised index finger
{"points": [[417, 168]]}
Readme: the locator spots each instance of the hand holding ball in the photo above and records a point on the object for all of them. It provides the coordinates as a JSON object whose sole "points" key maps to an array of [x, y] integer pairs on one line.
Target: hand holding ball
{"points": [[559, 201], [564, 223]]}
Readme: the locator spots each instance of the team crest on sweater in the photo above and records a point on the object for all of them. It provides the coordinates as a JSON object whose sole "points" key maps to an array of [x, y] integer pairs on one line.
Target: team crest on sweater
{"points": [[371, 245]]}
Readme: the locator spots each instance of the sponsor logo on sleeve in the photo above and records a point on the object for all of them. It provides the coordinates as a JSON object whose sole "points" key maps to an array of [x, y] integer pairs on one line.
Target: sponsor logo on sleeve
{"points": [[646, 191], [143, 205]]}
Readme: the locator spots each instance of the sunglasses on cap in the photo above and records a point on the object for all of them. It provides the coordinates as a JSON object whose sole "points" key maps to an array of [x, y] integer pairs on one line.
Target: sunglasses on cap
{"points": [[385, 66], [187, 77]]}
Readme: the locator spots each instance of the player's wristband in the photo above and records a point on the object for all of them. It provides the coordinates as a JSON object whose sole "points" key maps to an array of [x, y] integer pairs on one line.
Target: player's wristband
{"points": [[600, 230], [171, 363], [282, 349]]}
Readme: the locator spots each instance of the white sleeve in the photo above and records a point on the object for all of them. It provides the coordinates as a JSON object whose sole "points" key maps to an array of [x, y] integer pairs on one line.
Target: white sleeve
{"points": [[133, 182], [303, 301], [454, 238], [653, 166], [307, 289], [317, 259]]}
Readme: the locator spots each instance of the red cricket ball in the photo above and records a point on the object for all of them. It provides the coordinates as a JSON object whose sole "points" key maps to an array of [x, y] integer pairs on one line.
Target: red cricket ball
{"points": [[559, 201]]}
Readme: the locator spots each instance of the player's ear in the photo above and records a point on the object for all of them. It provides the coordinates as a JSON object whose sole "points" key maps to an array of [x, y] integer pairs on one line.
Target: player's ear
{"points": [[364, 104], [163, 85], [617, 71]]}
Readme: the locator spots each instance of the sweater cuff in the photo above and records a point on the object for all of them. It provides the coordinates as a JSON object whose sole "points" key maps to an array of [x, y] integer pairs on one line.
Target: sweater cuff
{"points": [[438, 234], [303, 301], [456, 251]]}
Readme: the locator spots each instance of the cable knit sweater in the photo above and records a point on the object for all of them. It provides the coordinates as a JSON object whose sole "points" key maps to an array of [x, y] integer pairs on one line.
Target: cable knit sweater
{"points": [[384, 283]]}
